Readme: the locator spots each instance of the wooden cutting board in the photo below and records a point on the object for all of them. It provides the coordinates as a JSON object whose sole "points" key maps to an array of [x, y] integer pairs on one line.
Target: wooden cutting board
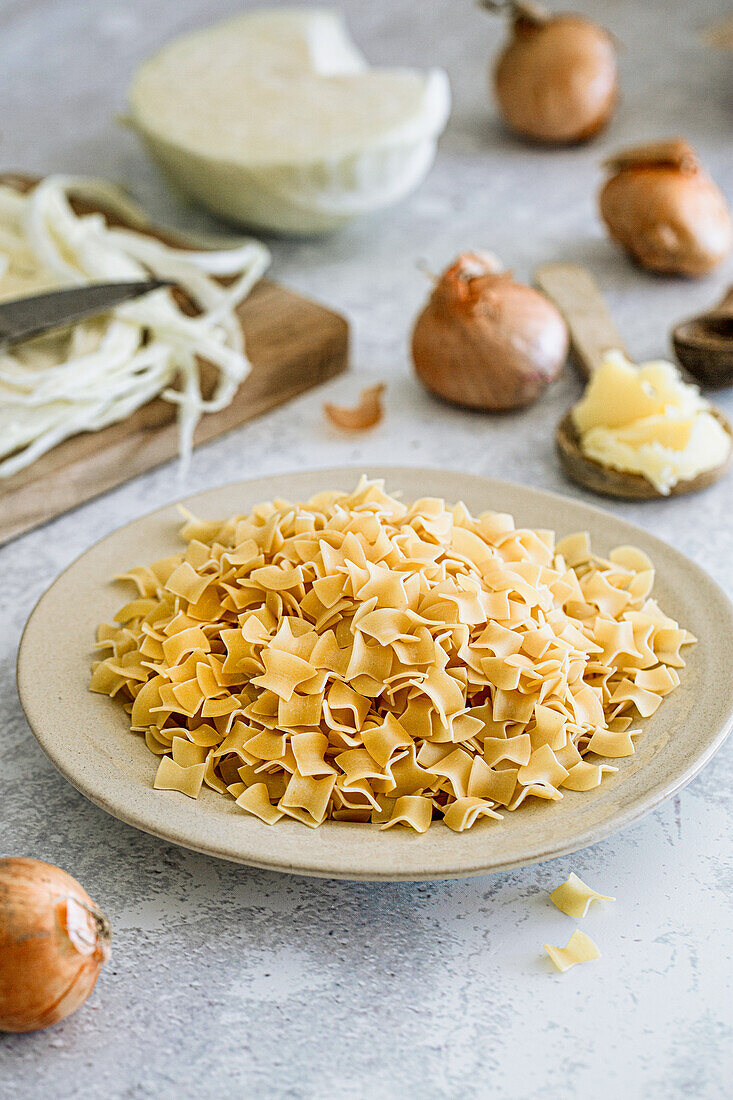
{"points": [[293, 344]]}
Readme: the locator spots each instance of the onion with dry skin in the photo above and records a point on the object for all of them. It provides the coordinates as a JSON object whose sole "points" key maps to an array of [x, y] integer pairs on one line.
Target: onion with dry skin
{"points": [[486, 341], [556, 79], [664, 209], [53, 944]]}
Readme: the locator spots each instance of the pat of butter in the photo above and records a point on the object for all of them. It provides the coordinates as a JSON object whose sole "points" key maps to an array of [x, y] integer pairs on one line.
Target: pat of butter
{"points": [[646, 420]]}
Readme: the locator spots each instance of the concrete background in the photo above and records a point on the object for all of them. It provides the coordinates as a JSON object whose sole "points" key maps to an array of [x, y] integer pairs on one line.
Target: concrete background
{"points": [[226, 981]]}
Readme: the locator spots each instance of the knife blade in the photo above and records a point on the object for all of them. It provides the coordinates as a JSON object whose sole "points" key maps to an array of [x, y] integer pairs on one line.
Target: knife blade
{"points": [[24, 318]]}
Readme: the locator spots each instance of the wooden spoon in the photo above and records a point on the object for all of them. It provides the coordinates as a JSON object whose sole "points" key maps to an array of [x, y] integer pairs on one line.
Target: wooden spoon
{"points": [[593, 333], [704, 344]]}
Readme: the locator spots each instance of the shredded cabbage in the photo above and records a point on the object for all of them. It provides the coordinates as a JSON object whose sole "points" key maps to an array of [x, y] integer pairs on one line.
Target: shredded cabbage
{"points": [[101, 371]]}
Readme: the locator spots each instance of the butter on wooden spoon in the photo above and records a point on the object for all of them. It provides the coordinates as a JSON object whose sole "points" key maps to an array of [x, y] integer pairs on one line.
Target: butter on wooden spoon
{"points": [[638, 432]]}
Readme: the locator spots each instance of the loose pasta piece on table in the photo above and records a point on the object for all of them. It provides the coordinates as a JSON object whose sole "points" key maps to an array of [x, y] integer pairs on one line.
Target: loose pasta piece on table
{"points": [[579, 948], [574, 897]]}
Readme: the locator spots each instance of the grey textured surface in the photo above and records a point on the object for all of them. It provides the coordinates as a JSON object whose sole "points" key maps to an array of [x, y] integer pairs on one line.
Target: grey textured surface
{"points": [[227, 981]]}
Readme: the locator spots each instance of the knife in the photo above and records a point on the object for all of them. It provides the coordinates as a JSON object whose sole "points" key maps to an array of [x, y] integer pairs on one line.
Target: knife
{"points": [[23, 318]]}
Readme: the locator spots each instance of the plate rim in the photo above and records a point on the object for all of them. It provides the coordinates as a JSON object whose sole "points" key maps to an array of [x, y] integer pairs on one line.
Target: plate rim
{"points": [[617, 821]]}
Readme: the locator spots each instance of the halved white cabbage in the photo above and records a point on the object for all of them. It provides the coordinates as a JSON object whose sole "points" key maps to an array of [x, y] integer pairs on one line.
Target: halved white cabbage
{"points": [[274, 119]]}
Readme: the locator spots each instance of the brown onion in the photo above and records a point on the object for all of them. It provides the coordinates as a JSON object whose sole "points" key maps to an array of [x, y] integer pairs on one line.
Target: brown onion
{"points": [[486, 341], [664, 209], [53, 944], [556, 79]]}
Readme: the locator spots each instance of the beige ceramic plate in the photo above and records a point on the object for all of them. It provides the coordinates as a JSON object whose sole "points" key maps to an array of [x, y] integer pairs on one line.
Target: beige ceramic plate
{"points": [[87, 738]]}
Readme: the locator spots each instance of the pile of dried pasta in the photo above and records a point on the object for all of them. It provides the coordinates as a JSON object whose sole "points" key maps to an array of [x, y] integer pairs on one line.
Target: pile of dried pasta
{"points": [[361, 659]]}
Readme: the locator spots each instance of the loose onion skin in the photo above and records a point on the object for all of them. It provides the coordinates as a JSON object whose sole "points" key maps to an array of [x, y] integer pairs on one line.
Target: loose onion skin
{"points": [[556, 79], [665, 211], [53, 944], [364, 415], [485, 341]]}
